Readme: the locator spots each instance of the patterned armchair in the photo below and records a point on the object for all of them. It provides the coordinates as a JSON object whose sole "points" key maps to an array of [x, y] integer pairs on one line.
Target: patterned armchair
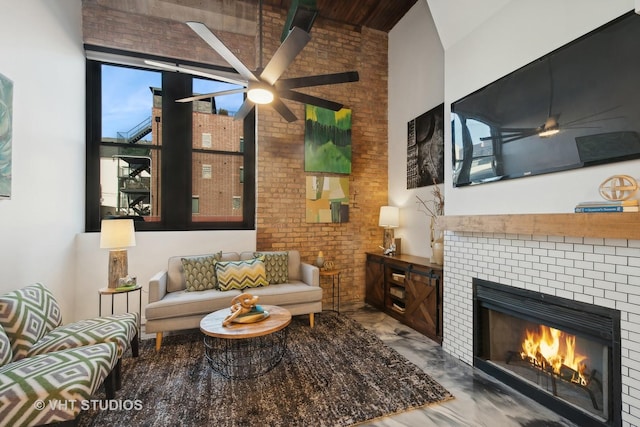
{"points": [[42, 360]]}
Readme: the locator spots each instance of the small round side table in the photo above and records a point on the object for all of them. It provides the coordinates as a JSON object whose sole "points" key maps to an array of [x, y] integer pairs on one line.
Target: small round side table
{"points": [[335, 276], [116, 291]]}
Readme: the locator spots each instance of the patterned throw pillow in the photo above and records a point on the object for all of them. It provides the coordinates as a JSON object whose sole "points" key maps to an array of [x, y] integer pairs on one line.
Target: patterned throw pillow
{"points": [[200, 272], [277, 266], [27, 315], [241, 274]]}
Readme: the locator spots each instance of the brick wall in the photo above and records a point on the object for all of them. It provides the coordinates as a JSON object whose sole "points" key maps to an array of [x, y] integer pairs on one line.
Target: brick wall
{"points": [[604, 272], [280, 163]]}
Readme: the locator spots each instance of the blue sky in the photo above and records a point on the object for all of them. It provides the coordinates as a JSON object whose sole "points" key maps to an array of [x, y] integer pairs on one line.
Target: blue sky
{"points": [[127, 100]]}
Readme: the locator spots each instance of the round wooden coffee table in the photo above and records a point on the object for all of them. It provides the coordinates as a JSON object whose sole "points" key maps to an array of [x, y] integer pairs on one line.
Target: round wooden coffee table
{"points": [[245, 350]]}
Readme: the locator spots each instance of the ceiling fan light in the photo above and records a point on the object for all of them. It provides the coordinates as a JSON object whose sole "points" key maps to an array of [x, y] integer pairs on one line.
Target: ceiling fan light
{"points": [[260, 95], [546, 133], [549, 128]]}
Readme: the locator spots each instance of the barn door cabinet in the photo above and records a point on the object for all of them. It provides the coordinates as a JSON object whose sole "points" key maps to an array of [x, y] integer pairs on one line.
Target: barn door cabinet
{"points": [[408, 288]]}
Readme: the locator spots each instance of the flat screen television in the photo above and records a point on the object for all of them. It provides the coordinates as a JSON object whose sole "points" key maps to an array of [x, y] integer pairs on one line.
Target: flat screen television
{"points": [[577, 106]]}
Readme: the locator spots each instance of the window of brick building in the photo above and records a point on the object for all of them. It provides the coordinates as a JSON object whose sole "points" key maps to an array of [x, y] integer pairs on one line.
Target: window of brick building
{"points": [[147, 155]]}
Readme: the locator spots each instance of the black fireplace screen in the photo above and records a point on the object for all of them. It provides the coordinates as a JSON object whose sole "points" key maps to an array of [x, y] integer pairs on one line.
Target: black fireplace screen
{"points": [[562, 353]]}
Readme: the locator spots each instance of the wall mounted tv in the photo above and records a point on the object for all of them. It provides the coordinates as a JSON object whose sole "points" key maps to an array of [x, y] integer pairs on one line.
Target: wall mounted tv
{"points": [[577, 106]]}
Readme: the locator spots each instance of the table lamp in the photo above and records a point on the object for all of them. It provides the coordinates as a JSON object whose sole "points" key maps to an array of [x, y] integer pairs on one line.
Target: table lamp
{"points": [[116, 235], [389, 219]]}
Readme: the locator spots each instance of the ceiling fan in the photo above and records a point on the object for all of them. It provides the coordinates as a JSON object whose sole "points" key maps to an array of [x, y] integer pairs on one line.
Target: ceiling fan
{"points": [[552, 124], [264, 86], [550, 127]]}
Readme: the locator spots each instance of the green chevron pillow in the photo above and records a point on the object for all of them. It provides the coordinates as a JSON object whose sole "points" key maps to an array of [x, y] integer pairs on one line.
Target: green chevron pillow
{"points": [[200, 272], [276, 265], [241, 274]]}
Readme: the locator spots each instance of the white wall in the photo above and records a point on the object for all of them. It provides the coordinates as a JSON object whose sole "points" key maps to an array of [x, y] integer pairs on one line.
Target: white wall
{"points": [[41, 52], [500, 42], [416, 85], [518, 33], [149, 256], [42, 235]]}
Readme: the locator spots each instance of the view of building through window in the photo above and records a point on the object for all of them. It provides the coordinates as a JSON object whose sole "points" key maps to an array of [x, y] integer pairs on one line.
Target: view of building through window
{"points": [[131, 148]]}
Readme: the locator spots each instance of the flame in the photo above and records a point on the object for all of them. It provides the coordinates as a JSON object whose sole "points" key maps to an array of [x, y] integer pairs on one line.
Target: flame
{"points": [[545, 349]]}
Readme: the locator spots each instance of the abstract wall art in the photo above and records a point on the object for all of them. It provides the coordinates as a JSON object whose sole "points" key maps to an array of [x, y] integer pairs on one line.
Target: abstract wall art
{"points": [[327, 199], [327, 140], [6, 130], [425, 149]]}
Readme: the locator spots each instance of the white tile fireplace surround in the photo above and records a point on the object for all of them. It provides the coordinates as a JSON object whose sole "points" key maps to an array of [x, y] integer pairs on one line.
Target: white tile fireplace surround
{"points": [[594, 270]]}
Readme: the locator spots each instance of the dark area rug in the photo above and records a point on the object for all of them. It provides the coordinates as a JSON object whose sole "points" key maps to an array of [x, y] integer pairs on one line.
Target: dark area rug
{"points": [[336, 374]]}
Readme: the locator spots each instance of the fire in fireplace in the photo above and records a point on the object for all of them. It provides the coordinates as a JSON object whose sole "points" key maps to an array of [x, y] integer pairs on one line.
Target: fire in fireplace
{"points": [[563, 353]]}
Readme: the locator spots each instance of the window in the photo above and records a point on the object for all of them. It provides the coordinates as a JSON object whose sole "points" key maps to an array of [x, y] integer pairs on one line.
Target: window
{"points": [[168, 165], [477, 157]]}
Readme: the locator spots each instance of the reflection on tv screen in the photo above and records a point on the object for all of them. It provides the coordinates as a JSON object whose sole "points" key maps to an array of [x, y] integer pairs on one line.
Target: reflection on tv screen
{"points": [[577, 106]]}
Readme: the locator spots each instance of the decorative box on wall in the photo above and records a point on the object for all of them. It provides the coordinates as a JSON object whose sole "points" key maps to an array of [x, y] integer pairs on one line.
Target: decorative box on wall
{"points": [[408, 288]]}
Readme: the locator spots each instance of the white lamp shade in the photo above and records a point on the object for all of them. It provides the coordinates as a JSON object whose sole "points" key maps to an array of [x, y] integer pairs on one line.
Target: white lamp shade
{"points": [[389, 217], [117, 233]]}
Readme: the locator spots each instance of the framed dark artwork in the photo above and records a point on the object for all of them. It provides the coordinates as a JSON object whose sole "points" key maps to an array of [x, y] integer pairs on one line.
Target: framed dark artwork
{"points": [[327, 140], [425, 149]]}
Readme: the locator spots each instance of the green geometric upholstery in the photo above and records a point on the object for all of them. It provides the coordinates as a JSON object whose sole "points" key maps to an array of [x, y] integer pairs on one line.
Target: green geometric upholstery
{"points": [[27, 315], [61, 380], [6, 355], [119, 328]]}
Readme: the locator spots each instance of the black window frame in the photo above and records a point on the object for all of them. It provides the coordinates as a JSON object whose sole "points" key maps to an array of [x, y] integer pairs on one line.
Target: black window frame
{"points": [[176, 155]]}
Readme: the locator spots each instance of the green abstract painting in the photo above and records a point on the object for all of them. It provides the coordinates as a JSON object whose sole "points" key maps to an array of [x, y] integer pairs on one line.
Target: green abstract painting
{"points": [[6, 112], [327, 140]]}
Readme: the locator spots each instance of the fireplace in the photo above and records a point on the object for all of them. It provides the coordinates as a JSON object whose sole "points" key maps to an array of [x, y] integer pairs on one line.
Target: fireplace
{"points": [[563, 353]]}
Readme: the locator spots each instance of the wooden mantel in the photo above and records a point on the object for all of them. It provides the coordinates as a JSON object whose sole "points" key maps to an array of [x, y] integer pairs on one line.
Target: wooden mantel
{"points": [[619, 225]]}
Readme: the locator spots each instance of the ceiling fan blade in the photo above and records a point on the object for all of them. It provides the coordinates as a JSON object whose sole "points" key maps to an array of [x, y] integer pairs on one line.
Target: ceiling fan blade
{"points": [[517, 137], [516, 130], [206, 35], [211, 95], [221, 76], [319, 80], [513, 136], [284, 56], [310, 99], [284, 111], [245, 108]]}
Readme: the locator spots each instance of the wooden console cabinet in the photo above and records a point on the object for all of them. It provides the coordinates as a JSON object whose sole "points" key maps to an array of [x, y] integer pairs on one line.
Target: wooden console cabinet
{"points": [[408, 288]]}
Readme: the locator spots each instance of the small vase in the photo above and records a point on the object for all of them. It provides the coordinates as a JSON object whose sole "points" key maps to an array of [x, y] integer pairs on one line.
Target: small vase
{"points": [[320, 260], [438, 253]]}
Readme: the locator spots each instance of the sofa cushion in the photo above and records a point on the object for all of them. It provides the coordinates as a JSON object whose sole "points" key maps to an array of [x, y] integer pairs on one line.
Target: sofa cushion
{"points": [[293, 260], [185, 304], [241, 274], [27, 315], [118, 328], [72, 375], [295, 292], [200, 272], [276, 265], [6, 355], [175, 273]]}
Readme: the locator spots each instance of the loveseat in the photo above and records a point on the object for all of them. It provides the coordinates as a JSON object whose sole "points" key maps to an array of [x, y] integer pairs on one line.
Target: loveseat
{"points": [[47, 369], [193, 286]]}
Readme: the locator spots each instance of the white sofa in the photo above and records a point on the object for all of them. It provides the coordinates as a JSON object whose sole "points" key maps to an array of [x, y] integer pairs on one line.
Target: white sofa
{"points": [[171, 307]]}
